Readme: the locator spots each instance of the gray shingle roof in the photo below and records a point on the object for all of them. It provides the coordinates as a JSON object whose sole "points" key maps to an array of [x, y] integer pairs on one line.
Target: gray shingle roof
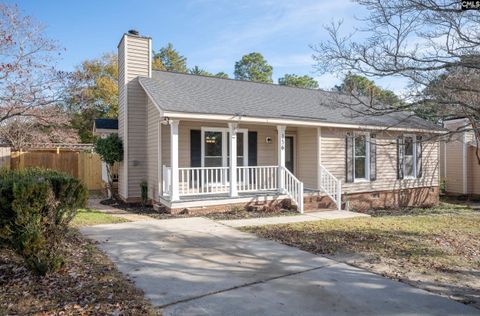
{"points": [[208, 95]]}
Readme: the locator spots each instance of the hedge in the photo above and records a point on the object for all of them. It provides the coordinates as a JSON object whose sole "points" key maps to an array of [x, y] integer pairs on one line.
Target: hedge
{"points": [[36, 207]]}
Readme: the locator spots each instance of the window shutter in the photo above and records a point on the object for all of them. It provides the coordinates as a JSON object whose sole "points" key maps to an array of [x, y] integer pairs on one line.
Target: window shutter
{"points": [[373, 157], [252, 148], [349, 157], [195, 148], [400, 157], [419, 156]]}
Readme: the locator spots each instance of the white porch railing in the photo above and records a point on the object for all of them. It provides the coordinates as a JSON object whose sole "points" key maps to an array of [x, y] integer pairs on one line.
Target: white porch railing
{"points": [[331, 186], [257, 178], [213, 180], [293, 188], [203, 180]]}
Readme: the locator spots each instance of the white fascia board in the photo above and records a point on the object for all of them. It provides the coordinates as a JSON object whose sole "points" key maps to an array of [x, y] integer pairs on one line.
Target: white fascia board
{"points": [[278, 121]]}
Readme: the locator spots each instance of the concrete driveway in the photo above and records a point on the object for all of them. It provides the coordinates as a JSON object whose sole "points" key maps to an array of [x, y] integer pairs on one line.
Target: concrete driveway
{"points": [[195, 266]]}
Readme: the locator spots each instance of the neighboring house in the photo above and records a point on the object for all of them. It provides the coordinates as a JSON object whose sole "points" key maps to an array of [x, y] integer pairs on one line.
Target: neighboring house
{"points": [[459, 164], [181, 130], [102, 128]]}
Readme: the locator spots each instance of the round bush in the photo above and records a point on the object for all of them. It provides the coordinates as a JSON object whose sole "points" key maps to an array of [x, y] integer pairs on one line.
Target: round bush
{"points": [[36, 207]]}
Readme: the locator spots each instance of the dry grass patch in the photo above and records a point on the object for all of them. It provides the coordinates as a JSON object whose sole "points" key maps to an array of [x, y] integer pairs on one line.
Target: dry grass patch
{"points": [[436, 249], [89, 284]]}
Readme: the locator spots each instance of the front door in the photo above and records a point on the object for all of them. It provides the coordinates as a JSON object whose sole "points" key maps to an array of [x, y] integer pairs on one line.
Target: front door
{"points": [[289, 153]]}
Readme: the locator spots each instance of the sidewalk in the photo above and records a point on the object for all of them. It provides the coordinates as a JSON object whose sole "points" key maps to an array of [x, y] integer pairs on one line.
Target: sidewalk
{"points": [[307, 217], [115, 212]]}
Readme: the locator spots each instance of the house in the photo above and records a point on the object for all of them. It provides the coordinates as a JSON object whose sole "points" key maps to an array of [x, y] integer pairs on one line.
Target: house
{"points": [[180, 132], [460, 169], [103, 127]]}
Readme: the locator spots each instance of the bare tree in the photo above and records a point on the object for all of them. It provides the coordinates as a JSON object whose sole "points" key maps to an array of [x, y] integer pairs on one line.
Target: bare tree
{"points": [[28, 79], [431, 43], [20, 132]]}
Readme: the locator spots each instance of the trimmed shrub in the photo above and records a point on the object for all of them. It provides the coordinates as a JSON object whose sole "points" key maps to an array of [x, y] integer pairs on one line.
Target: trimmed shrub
{"points": [[144, 192], [36, 207]]}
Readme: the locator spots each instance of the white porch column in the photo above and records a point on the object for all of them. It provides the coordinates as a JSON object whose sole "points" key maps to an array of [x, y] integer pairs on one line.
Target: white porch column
{"points": [[319, 158], [160, 188], [174, 158], [233, 128], [281, 156]]}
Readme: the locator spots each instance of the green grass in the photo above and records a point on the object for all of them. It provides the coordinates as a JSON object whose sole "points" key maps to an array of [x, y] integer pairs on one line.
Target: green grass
{"points": [[89, 217]]}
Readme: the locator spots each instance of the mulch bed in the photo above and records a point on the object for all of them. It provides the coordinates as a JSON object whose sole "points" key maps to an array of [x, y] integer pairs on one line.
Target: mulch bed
{"points": [[236, 213], [88, 284]]}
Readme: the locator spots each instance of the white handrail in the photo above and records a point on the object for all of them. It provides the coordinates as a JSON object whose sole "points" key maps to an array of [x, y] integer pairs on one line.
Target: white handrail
{"points": [[203, 180], [331, 186], [257, 178], [294, 188]]}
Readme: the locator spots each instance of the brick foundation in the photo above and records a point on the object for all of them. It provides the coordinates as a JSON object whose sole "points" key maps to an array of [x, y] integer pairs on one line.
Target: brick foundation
{"points": [[419, 197], [360, 202], [228, 207]]}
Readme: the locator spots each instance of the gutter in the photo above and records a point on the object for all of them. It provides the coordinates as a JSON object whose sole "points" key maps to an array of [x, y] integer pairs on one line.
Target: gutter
{"points": [[279, 121]]}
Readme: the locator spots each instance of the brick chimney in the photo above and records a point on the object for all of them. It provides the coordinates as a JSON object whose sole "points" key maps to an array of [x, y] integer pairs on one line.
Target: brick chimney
{"points": [[134, 60]]}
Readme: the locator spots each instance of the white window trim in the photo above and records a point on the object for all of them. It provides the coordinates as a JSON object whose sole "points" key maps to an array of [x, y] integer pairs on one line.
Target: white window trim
{"points": [[224, 131], [414, 144], [367, 157]]}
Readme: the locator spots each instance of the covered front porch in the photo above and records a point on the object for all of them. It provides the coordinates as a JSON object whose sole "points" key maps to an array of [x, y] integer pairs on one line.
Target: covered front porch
{"points": [[271, 162]]}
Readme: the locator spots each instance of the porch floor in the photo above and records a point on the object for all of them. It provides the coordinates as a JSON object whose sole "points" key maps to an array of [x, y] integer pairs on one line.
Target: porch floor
{"points": [[241, 195]]}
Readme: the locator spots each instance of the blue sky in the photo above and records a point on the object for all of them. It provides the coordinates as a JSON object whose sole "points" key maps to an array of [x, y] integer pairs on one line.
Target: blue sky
{"points": [[212, 34]]}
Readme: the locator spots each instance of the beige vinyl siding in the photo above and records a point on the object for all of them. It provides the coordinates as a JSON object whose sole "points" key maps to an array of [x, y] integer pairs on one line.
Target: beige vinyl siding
{"points": [[166, 145], [333, 158], [473, 172], [307, 162], [441, 159], [454, 175], [153, 119], [122, 183], [470, 137], [133, 112]]}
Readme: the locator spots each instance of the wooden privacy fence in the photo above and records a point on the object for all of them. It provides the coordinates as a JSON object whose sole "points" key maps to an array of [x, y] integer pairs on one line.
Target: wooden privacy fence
{"points": [[85, 166], [5, 157]]}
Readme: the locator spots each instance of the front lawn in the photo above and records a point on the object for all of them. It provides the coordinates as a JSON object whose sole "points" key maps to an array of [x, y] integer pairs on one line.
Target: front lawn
{"points": [[436, 249], [88, 284], [89, 217]]}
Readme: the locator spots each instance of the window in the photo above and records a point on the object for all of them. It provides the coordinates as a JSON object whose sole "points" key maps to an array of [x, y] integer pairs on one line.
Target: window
{"points": [[213, 149], [361, 157], [216, 148], [410, 157]]}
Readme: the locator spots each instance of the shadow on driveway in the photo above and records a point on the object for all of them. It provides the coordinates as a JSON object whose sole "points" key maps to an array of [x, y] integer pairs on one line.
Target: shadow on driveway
{"points": [[195, 266]]}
